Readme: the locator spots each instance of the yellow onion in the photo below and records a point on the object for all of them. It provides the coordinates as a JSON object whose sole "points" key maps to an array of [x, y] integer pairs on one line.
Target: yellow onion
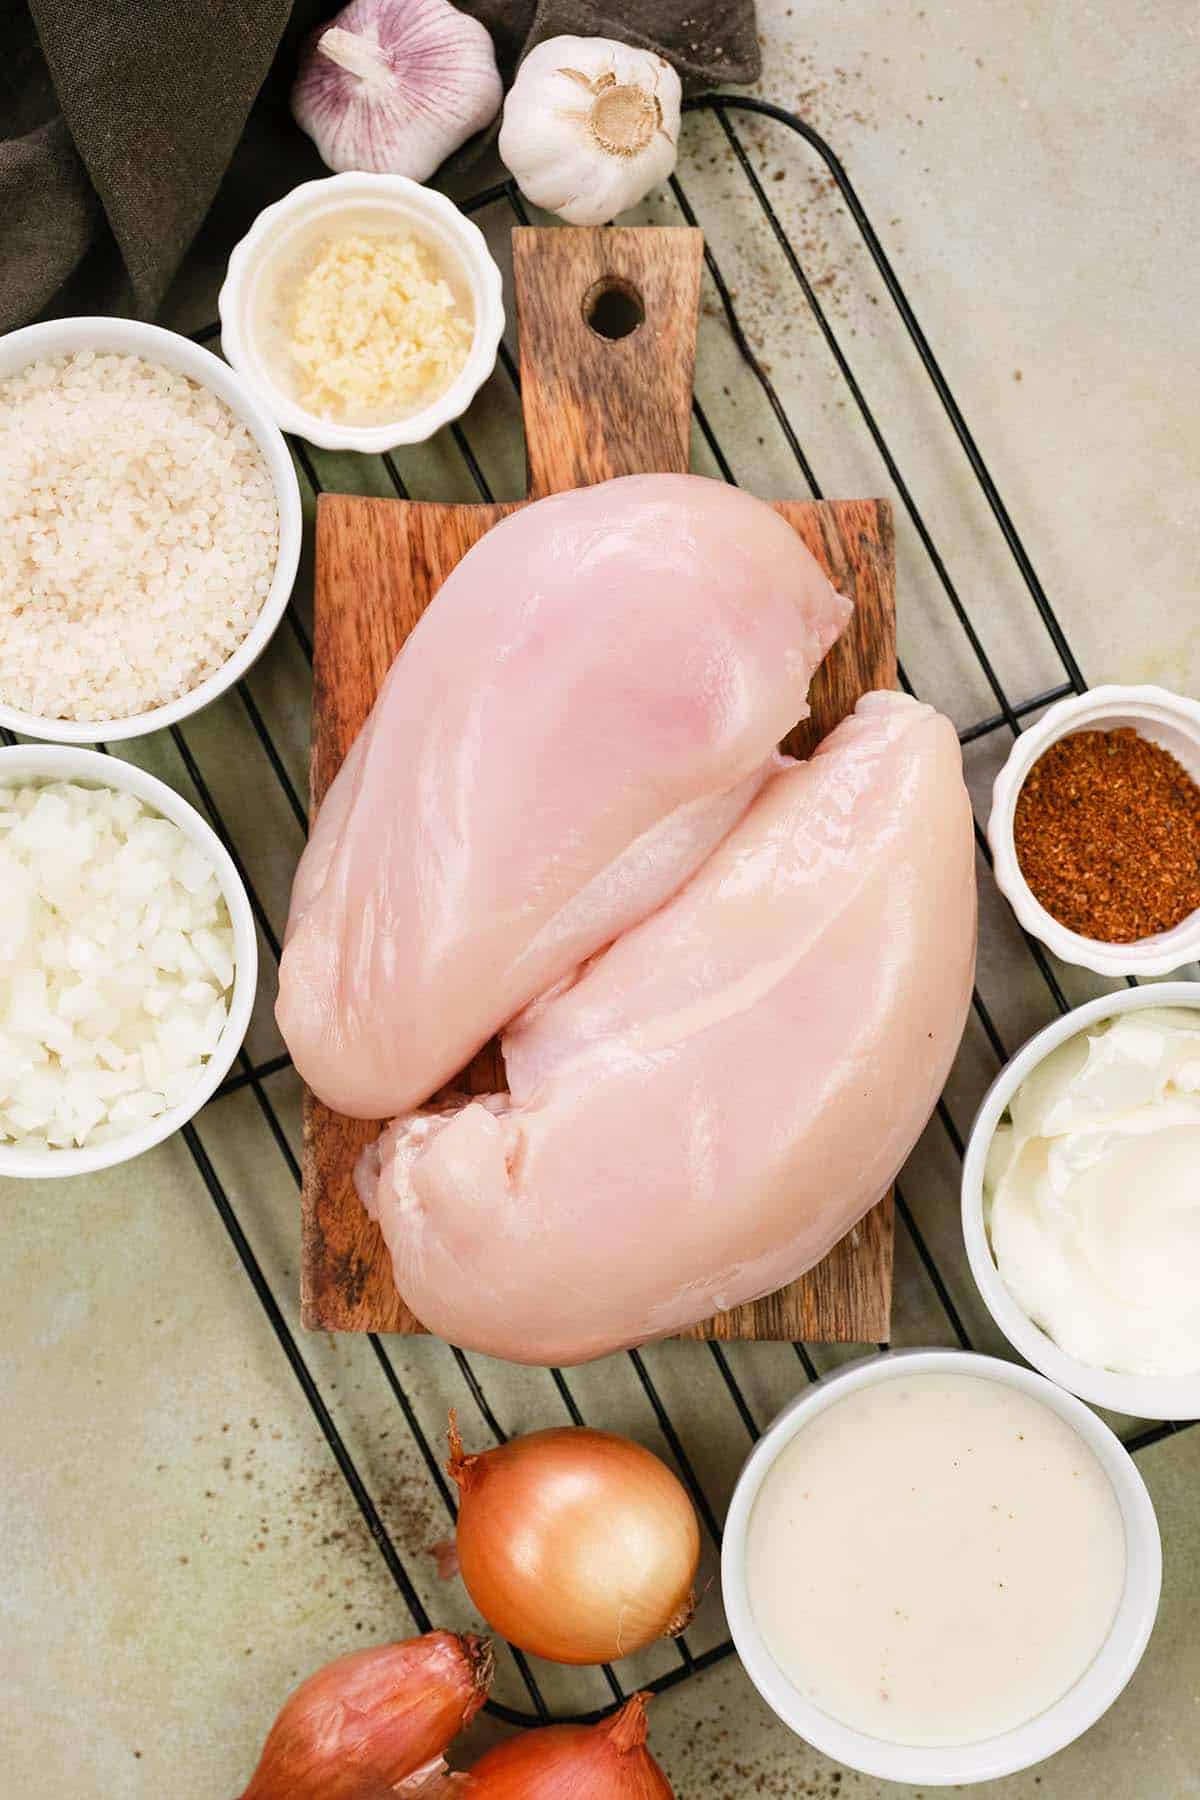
{"points": [[373, 1725], [577, 1545], [608, 1761]]}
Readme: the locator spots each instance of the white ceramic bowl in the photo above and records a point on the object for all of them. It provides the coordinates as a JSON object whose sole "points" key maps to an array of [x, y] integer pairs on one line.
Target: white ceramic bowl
{"points": [[1166, 719], [60, 336], [33, 762], [281, 233], [1145, 1396], [1062, 1722]]}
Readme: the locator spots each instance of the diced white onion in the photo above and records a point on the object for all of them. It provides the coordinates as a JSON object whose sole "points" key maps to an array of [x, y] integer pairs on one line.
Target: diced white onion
{"points": [[116, 961]]}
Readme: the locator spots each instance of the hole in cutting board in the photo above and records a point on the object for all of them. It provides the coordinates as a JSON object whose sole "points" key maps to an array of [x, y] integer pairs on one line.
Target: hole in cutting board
{"points": [[613, 308]]}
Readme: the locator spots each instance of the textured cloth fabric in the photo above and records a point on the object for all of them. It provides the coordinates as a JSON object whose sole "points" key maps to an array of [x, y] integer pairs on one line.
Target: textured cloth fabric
{"points": [[709, 41], [120, 119]]}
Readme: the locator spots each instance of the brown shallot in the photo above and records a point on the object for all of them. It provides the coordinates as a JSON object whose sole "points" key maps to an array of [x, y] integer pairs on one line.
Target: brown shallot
{"points": [[608, 1761], [373, 1725], [577, 1545]]}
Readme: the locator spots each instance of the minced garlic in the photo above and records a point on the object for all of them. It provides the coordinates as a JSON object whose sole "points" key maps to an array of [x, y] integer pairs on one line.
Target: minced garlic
{"points": [[375, 328]]}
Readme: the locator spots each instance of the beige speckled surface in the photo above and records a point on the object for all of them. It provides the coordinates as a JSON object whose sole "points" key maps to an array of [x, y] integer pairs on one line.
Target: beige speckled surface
{"points": [[176, 1543]]}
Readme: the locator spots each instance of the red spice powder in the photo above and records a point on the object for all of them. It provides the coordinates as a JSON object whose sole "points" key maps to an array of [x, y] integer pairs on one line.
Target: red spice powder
{"points": [[1107, 835]]}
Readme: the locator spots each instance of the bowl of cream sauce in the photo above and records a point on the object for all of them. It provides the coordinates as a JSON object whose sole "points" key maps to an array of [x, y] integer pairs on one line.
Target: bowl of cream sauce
{"points": [[939, 1567], [1081, 1201]]}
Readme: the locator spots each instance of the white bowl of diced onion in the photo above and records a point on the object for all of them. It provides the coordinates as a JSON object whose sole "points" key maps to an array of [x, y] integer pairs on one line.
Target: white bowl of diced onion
{"points": [[115, 959]]}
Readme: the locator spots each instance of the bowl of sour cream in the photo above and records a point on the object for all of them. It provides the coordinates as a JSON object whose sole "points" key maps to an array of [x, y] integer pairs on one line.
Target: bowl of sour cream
{"points": [[1081, 1201], [939, 1568]]}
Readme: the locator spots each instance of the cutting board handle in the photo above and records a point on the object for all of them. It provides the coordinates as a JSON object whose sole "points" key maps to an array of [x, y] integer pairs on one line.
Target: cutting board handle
{"points": [[606, 321]]}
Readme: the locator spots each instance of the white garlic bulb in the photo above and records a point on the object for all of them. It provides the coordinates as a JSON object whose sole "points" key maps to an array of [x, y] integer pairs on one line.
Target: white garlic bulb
{"points": [[590, 126], [393, 86]]}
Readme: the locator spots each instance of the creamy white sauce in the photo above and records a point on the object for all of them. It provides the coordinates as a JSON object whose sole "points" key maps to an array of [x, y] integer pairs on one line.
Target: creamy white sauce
{"points": [[935, 1559], [1092, 1194]]}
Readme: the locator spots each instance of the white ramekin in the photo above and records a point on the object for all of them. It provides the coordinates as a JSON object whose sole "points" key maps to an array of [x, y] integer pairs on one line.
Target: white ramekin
{"points": [[61, 336], [392, 200], [1165, 718], [1062, 1722], [44, 762], [1145, 1396]]}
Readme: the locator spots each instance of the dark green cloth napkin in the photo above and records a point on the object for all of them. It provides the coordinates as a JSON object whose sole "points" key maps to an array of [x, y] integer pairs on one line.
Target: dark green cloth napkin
{"points": [[143, 103], [119, 120], [709, 41]]}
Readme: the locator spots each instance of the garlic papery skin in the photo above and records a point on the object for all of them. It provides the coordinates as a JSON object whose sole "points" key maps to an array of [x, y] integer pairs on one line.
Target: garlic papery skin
{"points": [[394, 86], [590, 127]]}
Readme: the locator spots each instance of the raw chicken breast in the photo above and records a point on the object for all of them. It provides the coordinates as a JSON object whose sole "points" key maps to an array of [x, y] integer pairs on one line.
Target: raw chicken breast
{"points": [[590, 703], [717, 1098]]}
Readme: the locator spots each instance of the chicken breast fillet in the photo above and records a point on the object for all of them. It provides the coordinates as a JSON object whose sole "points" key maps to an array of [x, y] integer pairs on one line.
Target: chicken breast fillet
{"points": [[590, 703], [712, 1102]]}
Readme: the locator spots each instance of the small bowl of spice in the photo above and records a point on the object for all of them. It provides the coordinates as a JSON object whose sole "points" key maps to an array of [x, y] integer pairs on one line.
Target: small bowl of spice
{"points": [[365, 310], [1095, 830]]}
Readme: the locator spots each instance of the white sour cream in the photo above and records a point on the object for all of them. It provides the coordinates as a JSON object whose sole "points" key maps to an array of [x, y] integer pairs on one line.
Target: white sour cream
{"points": [[935, 1559], [1092, 1194]]}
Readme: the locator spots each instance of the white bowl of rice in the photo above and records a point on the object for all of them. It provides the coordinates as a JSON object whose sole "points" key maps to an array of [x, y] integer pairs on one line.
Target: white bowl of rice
{"points": [[128, 961], [150, 519]]}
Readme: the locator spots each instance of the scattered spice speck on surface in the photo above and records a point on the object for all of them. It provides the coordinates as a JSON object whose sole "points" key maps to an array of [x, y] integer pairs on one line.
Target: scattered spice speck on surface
{"points": [[1107, 836]]}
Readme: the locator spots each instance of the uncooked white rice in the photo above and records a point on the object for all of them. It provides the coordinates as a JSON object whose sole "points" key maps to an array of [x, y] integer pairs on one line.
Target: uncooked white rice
{"points": [[116, 961], [138, 535]]}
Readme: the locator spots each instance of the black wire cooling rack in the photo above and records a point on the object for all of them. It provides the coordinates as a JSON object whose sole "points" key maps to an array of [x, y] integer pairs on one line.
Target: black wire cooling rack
{"points": [[726, 112]]}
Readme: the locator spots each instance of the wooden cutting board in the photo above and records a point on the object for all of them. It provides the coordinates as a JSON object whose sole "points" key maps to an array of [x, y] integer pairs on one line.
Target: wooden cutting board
{"points": [[595, 406]]}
